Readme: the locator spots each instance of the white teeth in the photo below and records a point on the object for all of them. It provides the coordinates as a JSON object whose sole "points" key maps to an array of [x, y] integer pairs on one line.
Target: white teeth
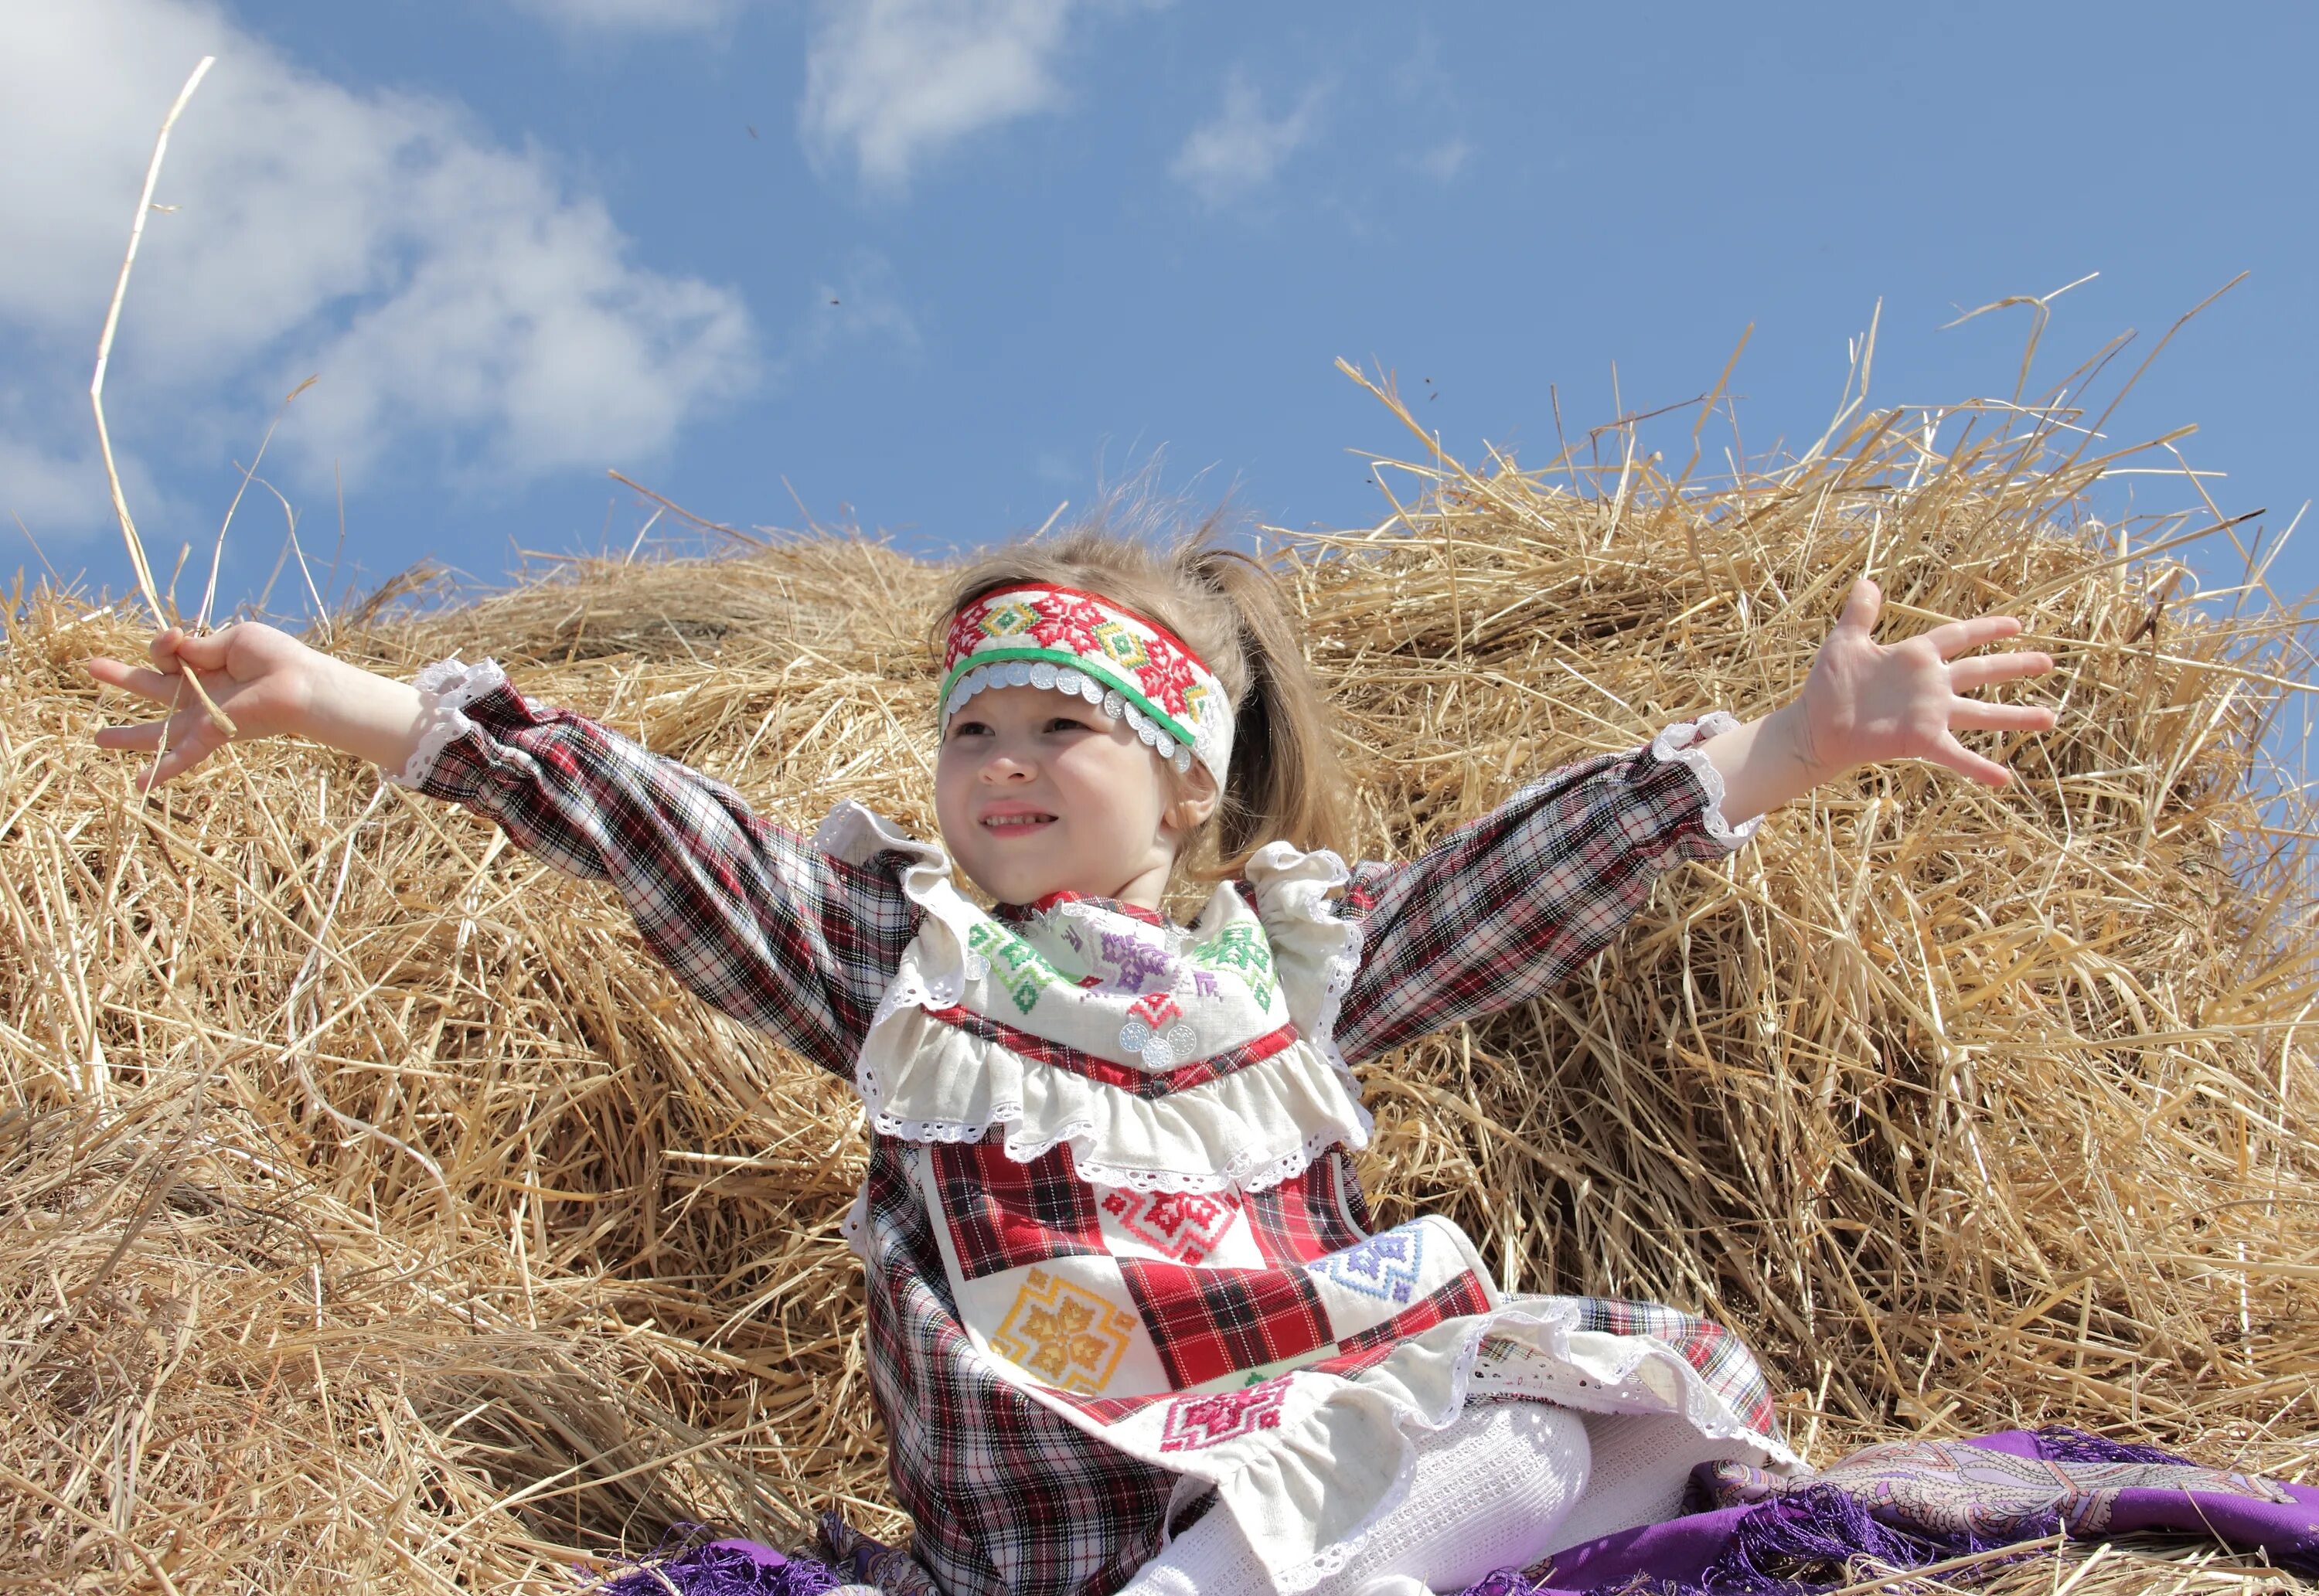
{"points": [[1018, 820]]}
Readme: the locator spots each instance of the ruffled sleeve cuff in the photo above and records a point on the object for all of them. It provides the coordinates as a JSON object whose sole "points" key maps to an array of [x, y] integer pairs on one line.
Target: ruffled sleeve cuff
{"points": [[1680, 744], [445, 689]]}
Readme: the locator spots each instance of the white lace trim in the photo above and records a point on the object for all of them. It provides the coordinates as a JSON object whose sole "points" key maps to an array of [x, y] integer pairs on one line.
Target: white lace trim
{"points": [[1250, 1172], [445, 689], [1291, 897], [1680, 744], [1044, 673], [1253, 1129]]}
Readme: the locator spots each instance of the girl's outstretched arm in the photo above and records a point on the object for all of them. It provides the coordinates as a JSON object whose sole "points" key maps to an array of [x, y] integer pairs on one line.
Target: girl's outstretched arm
{"points": [[1866, 702], [1507, 906], [747, 914]]}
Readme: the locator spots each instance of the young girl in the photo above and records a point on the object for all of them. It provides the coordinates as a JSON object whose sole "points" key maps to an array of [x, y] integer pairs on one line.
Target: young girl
{"points": [[1121, 1279]]}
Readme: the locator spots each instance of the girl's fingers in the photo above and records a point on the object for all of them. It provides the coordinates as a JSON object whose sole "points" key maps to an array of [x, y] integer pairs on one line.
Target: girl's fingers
{"points": [[1954, 637], [143, 737], [1964, 675], [1964, 762], [1860, 607], [203, 741], [1972, 715], [204, 650], [159, 686]]}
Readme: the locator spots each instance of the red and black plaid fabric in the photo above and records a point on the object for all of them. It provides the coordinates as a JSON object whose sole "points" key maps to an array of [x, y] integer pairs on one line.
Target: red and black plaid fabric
{"points": [[1003, 1214], [1211, 1321], [1008, 1496], [1308, 1216], [749, 915], [1507, 906], [1722, 1358], [1460, 1297]]}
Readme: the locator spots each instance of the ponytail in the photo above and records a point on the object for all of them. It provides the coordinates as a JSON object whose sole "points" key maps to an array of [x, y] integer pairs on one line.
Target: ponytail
{"points": [[1285, 781]]}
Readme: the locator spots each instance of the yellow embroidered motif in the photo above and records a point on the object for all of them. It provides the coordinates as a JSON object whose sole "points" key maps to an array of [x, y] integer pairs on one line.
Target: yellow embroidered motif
{"points": [[1010, 621], [1071, 1339]]}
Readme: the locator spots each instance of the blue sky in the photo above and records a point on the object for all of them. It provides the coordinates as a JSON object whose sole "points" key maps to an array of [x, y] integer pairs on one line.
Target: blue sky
{"points": [[521, 242]]}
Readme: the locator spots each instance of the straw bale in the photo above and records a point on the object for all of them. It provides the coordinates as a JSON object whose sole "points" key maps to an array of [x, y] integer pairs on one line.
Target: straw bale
{"points": [[377, 1210]]}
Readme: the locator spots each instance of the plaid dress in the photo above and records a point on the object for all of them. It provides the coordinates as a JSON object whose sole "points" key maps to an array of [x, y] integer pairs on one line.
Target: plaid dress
{"points": [[801, 942]]}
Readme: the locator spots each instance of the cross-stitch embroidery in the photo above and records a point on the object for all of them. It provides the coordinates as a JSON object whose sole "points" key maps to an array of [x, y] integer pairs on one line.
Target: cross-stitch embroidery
{"points": [[1383, 1267], [1069, 1337], [1241, 946], [1199, 1421], [1137, 960], [1184, 1225], [1020, 968], [1132, 668]]}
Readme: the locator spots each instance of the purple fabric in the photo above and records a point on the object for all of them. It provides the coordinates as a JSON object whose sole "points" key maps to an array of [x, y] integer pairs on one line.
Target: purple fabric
{"points": [[1913, 1503], [2063, 1445], [738, 1567], [1905, 1504], [726, 1568]]}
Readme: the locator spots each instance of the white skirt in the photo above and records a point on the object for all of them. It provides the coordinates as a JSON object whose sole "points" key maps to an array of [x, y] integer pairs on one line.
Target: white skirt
{"points": [[1502, 1487]]}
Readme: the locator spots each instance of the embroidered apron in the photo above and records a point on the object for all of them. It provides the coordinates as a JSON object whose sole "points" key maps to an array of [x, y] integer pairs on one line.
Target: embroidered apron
{"points": [[1123, 1129]]}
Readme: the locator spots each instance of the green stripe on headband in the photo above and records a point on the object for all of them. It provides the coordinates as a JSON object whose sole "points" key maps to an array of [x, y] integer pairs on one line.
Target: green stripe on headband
{"points": [[1075, 662]]}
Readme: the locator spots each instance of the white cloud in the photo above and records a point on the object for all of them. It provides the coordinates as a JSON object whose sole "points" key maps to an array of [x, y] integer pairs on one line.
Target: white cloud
{"points": [[447, 290], [640, 16], [891, 83], [1445, 160], [1241, 149], [50, 489]]}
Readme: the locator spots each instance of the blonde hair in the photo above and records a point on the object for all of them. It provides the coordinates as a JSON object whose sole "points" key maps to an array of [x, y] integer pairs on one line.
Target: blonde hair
{"points": [[1284, 782]]}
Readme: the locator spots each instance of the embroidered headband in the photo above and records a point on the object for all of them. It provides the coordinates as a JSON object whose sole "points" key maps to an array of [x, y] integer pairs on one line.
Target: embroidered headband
{"points": [[1078, 642]]}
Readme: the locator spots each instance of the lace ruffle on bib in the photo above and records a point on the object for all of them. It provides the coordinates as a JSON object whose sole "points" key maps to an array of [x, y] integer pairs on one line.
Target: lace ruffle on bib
{"points": [[1168, 1060]]}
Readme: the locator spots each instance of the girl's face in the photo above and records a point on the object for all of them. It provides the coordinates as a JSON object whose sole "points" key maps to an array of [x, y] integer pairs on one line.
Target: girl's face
{"points": [[1037, 791]]}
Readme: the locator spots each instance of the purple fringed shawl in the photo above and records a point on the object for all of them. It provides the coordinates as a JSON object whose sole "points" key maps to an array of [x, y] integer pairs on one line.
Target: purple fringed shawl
{"points": [[1905, 1504], [1910, 1504], [749, 1568], [727, 1568]]}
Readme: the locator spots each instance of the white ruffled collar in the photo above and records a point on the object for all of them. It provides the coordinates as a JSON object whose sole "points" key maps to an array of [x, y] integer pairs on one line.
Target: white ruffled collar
{"points": [[1092, 987]]}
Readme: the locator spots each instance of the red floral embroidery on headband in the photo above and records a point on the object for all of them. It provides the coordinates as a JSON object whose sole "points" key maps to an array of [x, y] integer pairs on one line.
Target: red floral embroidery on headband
{"points": [[965, 631]]}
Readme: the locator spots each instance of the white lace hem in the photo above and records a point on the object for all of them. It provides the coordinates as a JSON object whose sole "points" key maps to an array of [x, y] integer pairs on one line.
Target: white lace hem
{"points": [[445, 689], [1680, 744], [1316, 950]]}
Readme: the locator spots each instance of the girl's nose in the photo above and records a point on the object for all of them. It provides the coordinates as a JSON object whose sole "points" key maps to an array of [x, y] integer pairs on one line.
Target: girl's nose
{"points": [[1005, 764]]}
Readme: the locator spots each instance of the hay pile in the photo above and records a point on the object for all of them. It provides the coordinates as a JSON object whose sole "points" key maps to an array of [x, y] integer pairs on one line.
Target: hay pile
{"points": [[372, 1208]]}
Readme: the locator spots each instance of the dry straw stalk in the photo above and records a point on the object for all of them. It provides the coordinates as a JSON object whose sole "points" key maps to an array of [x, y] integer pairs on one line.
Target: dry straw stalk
{"points": [[427, 1235]]}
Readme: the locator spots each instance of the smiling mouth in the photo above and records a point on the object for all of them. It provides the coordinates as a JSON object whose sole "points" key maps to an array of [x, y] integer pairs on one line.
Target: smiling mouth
{"points": [[1018, 824]]}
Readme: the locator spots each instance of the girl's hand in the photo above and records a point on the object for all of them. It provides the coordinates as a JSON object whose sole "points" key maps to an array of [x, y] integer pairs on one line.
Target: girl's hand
{"points": [[263, 677], [271, 684], [1866, 702], [259, 675]]}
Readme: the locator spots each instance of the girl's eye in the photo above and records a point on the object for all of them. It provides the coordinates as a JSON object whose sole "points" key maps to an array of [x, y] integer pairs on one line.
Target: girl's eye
{"points": [[965, 728], [1067, 722]]}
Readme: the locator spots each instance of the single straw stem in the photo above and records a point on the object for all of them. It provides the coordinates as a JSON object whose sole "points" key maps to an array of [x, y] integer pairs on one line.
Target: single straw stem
{"points": [[217, 717]]}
